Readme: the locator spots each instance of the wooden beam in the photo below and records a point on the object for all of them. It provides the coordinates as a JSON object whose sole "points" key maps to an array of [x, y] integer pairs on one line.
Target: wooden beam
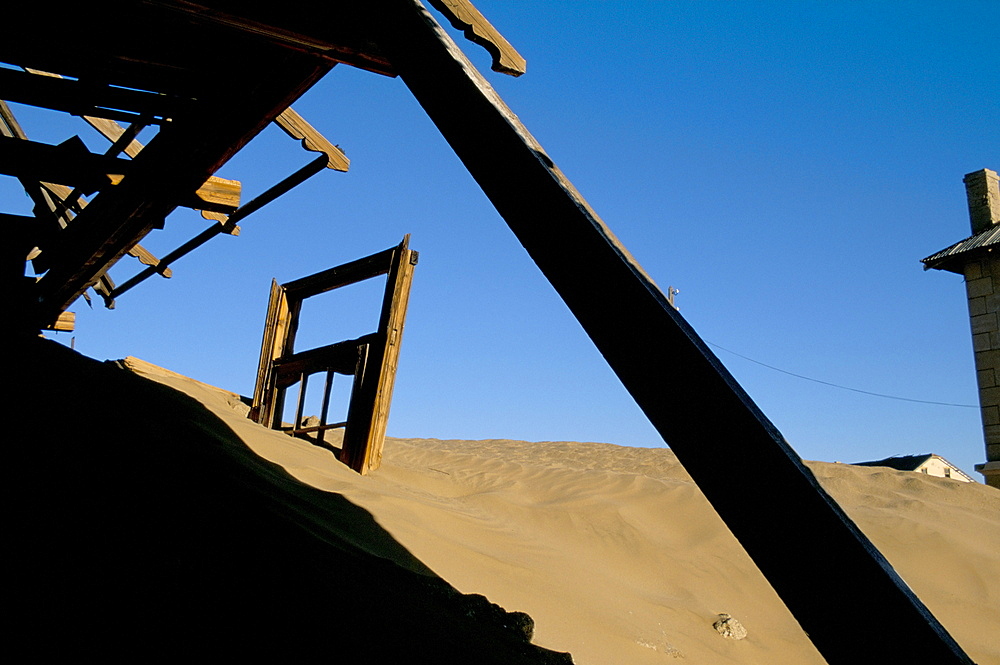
{"points": [[368, 414], [342, 275], [229, 225], [85, 98], [296, 126], [832, 578], [65, 323], [340, 358], [69, 163], [216, 195], [178, 160], [465, 17]]}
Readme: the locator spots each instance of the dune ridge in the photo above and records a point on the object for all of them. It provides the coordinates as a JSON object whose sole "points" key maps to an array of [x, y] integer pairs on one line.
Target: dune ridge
{"points": [[612, 551]]}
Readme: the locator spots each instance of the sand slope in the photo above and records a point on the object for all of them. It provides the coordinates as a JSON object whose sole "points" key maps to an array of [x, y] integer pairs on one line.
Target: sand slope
{"points": [[139, 527], [613, 551]]}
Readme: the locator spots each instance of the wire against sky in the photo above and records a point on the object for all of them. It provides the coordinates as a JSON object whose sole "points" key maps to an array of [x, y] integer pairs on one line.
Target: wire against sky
{"points": [[835, 385]]}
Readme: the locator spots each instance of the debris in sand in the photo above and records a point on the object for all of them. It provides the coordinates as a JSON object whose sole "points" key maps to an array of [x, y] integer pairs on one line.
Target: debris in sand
{"points": [[730, 627]]}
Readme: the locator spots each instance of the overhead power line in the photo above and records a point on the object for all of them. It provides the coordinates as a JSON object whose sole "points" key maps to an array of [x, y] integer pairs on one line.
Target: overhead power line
{"points": [[837, 385]]}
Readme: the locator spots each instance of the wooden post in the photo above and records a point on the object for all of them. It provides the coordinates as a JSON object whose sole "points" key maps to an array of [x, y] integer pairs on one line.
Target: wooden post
{"points": [[842, 591], [371, 359], [363, 442]]}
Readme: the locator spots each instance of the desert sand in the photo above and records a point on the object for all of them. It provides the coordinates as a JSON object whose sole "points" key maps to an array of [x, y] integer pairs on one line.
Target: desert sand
{"points": [[178, 513]]}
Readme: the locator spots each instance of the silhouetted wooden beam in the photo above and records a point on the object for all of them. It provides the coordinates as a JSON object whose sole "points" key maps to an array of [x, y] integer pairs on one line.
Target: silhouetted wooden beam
{"points": [[838, 586], [69, 163], [66, 322], [176, 162], [338, 276], [341, 358], [269, 195], [465, 17], [299, 129], [81, 98]]}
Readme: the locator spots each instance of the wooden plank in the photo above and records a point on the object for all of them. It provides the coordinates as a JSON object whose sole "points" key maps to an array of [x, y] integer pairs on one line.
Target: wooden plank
{"points": [[229, 225], [65, 323], [218, 194], [177, 161], [365, 436], [342, 275], [215, 195], [60, 194], [339, 357], [835, 582], [80, 98], [69, 163], [465, 17], [299, 129], [112, 131], [146, 258], [271, 348]]}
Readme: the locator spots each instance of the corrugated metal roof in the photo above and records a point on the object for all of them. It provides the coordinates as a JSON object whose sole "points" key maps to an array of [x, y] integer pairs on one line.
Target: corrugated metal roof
{"points": [[944, 260], [914, 462], [899, 462]]}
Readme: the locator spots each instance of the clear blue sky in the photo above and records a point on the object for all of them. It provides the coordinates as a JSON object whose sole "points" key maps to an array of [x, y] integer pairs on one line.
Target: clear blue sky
{"points": [[785, 165]]}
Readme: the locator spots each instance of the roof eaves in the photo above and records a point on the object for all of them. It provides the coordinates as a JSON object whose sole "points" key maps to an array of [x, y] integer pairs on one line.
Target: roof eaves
{"points": [[952, 258]]}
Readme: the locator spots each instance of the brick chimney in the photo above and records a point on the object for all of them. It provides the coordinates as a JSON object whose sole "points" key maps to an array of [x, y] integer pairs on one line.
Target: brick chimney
{"points": [[983, 191], [982, 283]]}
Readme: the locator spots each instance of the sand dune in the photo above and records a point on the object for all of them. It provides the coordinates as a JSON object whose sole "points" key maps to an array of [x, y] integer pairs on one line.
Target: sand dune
{"points": [[613, 551]]}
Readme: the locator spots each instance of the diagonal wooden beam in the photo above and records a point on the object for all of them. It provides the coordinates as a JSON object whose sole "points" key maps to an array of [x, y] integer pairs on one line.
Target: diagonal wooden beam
{"points": [[464, 16], [69, 163], [218, 194], [80, 98], [175, 163], [832, 578], [299, 129]]}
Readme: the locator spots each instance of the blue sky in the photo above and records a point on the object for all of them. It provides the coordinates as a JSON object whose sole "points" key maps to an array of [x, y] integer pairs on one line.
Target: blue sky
{"points": [[785, 165]]}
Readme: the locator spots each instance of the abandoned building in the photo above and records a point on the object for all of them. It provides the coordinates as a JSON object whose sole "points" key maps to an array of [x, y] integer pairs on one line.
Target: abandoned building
{"points": [[974, 259], [929, 464], [160, 63]]}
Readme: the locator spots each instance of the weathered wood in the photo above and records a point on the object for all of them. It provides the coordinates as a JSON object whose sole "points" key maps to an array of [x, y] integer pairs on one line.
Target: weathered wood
{"points": [[296, 126], [320, 429], [147, 259], [271, 349], [69, 163], [216, 195], [365, 438], [834, 581], [58, 196], [79, 98], [340, 357], [229, 225], [342, 275], [371, 358], [112, 131], [65, 323], [176, 162], [465, 17], [51, 205], [324, 411]]}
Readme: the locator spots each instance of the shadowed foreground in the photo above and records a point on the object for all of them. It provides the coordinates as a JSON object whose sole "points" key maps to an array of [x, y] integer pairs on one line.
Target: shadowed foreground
{"points": [[150, 517], [139, 524]]}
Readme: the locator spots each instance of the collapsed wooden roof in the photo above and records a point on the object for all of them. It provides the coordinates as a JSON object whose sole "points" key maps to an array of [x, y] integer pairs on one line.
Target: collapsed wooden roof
{"points": [[212, 74], [209, 76]]}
